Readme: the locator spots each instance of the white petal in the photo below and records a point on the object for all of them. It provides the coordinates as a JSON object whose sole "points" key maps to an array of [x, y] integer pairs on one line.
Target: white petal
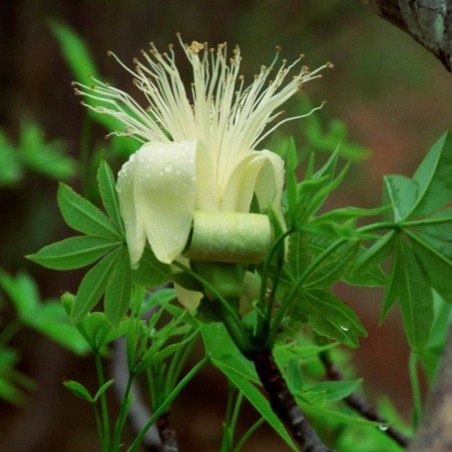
{"points": [[270, 182], [165, 195], [207, 187], [239, 189], [135, 233], [260, 173]]}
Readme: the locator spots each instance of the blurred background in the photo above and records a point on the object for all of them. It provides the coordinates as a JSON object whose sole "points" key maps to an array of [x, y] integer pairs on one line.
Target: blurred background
{"points": [[388, 101]]}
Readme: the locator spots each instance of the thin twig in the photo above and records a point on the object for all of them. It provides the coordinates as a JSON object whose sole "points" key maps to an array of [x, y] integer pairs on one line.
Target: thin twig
{"points": [[358, 403]]}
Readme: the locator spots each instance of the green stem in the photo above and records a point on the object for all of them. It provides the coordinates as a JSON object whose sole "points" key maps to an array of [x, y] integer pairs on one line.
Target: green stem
{"points": [[227, 435], [164, 406], [119, 426], [99, 427], [261, 319], [177, 363], [103, 400], [248, 433], [235, 414], [415, 388]]}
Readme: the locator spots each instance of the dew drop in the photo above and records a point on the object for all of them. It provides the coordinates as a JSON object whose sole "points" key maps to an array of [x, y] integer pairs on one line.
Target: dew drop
{"points": [[345, 328], [383, 427]]}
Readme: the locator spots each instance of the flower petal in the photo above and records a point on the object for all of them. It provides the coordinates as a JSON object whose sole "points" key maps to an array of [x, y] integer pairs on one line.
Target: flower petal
{"points": [[135, 232], [164, 180], [270, 182], [207, 186], [260, 173]]}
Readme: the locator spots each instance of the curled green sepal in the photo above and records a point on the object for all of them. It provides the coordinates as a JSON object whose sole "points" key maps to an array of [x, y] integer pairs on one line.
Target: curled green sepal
{"points": [[229, 237]]}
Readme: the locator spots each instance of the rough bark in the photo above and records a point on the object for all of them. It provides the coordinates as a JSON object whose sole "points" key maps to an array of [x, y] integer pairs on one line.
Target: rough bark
{"points": [[428, 21], [435, 430], [283, 403], [167, 434]]}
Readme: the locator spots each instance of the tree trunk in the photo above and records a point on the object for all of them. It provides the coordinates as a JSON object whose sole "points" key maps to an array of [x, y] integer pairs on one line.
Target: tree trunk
{"points": [[435, 430], [427, 21]]}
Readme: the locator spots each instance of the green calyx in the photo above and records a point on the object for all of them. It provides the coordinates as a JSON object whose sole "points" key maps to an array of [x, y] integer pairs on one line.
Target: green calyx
{"points": [[227, 279], [229, 237]]}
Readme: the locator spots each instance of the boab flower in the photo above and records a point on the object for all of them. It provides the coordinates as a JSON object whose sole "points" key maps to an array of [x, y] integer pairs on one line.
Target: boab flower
{"points": [[197, 155]]}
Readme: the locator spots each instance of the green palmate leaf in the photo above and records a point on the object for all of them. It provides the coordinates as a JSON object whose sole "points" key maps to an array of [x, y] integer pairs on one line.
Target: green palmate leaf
{"points": [[365, 269], [216, 340], [400, 193], [78, 57], [74, 252], [349, 213], [312, 192], [119, 290], [94, 327], [74, 51], [22, 291], [330, 317], [436, 266], [294, 376], [44, 157], [94, 284], [329, 229], [332, 415], [328, 138], [393, 288], [298, 256], [308, 199], [107, 189], [434, 178], [256, 398], [375, 254], [416, 300], [49, 318], [336, 390], [408, 282], [83, 216], [438, 226], [151, 272], [10, 168], [333, 269]]}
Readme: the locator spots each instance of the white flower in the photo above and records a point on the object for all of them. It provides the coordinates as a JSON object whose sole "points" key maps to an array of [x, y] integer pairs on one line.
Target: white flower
{"points": [[197, 155]]}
